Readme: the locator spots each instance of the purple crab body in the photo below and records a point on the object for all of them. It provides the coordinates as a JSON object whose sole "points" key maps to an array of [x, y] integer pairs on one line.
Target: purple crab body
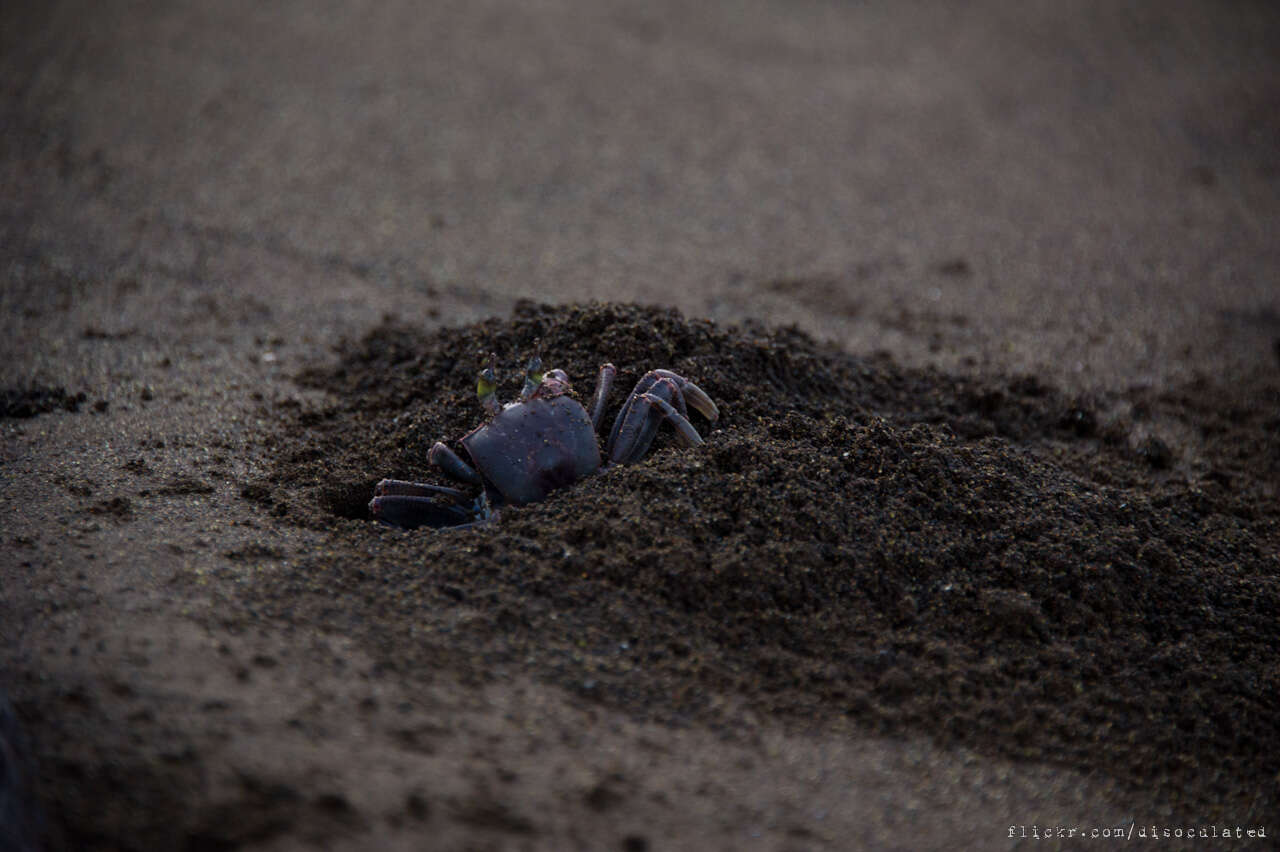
{"points": [[532, 448], [546, 441]]}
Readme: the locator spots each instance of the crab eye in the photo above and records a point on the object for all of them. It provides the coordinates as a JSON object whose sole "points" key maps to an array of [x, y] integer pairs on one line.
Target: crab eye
{"points": [[487, 383], [532, 377], [534, 370]]}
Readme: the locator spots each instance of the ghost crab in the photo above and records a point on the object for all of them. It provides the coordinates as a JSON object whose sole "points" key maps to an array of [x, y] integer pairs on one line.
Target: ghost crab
{"points": [[544, 441]]}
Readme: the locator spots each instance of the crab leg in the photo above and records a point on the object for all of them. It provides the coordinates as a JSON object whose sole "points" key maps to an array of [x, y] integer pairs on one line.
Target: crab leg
{"points": [[639, 421], [409, 511], [410, 504], [399, 487], [634, 428], [688, 435], [647, 381], [693, 394], [603, 383], [448, 461]]}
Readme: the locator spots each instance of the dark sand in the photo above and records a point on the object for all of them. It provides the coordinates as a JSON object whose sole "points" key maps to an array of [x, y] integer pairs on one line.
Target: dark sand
{"points": [[987, 534]]}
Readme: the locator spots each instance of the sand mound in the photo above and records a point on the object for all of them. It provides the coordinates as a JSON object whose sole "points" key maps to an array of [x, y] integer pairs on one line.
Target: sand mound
{"points": [[1090, 582]]}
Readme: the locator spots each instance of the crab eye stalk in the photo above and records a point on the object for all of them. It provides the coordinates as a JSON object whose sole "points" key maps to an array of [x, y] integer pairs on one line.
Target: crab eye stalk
{"points": [[532, 377], [487, 387]]}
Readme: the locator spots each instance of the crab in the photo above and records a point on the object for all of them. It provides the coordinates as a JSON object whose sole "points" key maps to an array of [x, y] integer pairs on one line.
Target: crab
{"points": [[543, 442]]}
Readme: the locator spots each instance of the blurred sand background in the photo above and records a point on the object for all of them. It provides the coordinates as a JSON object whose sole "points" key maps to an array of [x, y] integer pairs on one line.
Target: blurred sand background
{"points": [[199, 199]]}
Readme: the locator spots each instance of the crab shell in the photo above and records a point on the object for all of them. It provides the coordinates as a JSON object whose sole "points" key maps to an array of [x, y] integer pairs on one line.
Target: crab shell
{"points": [[531, 448]]}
